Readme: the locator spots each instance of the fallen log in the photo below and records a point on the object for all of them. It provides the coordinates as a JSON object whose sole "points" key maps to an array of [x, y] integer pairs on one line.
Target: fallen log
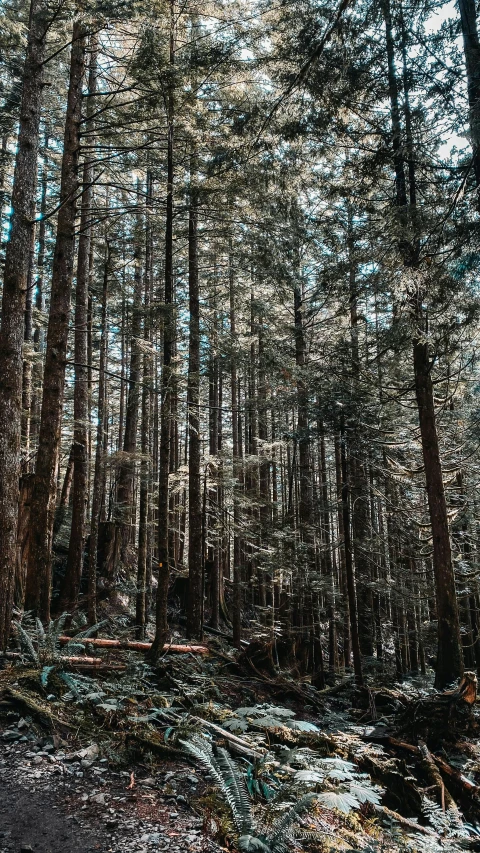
{"points": [[405, 822], [149, 741], [463, 792], [337, 688], [75, 660], [44, 715], [434, 777], [132, 645], [468, 786]]}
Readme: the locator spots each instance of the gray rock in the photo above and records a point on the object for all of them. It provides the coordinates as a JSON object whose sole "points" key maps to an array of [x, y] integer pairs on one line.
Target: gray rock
{"points": [[99, 799]]}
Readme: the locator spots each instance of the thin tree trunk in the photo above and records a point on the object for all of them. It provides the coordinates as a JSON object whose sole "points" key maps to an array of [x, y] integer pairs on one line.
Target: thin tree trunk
{"points": [[43, 500], [71, 581], [38, 335], [98, 476], [161, 620], [124, 510], [61, 509], [471, 47], [27, 361], [145, 468], [352, 603], [195, 567], [449, 651], [13, 308], [237, 550]]}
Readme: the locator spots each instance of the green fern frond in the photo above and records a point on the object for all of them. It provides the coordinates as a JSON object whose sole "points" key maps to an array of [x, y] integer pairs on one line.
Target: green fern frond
{"points": [[40, 632], [71, 684], [228, 778], [201, 749], [26, 643], [235, 791], [278, 837]]}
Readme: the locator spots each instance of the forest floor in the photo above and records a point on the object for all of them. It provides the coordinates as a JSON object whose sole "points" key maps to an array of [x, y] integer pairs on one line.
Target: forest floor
{"points": [[55, 802], [105, 753]]}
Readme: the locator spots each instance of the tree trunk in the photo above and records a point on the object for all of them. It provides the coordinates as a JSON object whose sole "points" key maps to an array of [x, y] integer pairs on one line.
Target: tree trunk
{"points": [[237, 551], [71, 582], [13, 308], [126, 474], [161, 629], [195, 567], [99, 454], [471, 47], [352, 602], [449, 651], [44, 492], [449, 654], [145, 469]]}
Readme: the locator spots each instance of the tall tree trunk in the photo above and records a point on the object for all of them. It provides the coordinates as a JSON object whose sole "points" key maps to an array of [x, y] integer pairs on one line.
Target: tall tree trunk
{"points": [[236, 441], [38, 335], [161, 620], [71, 582], [44, 492], [449, 650], [13, 307], [27, 361], [145, 468], [195, 567], [98, 476], [358, 470], [124, 510], [471, 47], [350, 578]]}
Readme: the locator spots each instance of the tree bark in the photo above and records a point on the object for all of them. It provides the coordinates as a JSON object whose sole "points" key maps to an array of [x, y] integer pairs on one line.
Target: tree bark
{"points": [[161, 619], [145, 468], [471, 47], [13, 307], [195, 567], [71, 582], [98, 476], [237, 550], [126, 474], [350, 578], [44, 492], [449, 651]]}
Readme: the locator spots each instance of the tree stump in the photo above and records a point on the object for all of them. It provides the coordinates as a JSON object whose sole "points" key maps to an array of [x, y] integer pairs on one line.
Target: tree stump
{"points": [[443, 716]]}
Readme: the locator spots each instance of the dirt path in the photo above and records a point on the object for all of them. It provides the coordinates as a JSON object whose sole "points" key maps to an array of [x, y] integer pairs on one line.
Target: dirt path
{"points": [[53, 802]]}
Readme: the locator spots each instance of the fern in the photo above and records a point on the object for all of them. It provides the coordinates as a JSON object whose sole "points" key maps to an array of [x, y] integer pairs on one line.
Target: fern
{"points": [[42, 646], [26, 643], [235, 791], [277, 840], [201, 749], [229, 779], [54, 631]]}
